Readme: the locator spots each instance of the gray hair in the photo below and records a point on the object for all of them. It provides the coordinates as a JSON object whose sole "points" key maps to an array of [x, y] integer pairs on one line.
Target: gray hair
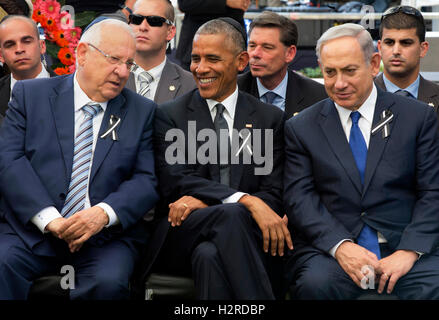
{"points": [[348, 30], [233, 36], [93, 34]]}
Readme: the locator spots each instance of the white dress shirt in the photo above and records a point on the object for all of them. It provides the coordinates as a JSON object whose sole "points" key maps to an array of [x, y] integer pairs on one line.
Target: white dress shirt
{"points": [[229, 114], [42, 74], [45, 216], [156, 74]]}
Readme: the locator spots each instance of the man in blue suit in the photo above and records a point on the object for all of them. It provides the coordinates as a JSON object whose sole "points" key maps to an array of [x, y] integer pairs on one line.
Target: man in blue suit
{"points": [[362, 182], [77, 172]]}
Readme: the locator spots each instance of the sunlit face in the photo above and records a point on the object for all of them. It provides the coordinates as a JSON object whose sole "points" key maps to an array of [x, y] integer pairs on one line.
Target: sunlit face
{"points": [[21, 48], [152, 39], [215, 66], [348, 78], [100, 79], [401, 51], [268, 55]]}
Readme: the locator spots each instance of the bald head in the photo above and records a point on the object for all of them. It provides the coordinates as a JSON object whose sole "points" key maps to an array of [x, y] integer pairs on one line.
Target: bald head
{"points": [[21, 47]]}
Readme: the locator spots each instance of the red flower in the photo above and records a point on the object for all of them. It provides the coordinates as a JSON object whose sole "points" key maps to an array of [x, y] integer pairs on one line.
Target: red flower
{"points": [[66, 56], [38, 16], [50, 8], [60, 38], [61, 70], [50, 24]]}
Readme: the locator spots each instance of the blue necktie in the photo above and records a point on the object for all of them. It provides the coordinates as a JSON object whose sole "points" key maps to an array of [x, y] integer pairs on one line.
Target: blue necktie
{"points": [[368, 237], [270, 96], [404, 93], [81, 163]]}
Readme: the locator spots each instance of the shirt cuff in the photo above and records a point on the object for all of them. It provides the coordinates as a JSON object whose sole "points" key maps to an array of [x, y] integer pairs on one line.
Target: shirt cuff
{"points": [[44, 217], [112, 217], [234, 197], [334, 248]]}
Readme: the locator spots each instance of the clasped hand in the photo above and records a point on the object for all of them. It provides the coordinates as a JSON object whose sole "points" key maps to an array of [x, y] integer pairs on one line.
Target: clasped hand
{"points": [[79, 227], [353, 258]]}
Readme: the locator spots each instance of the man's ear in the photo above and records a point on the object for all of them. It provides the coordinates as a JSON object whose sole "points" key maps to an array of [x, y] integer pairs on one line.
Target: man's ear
{"points": [[81, 53], [42, 46], [375, 62], [171, 33], [424, 49], [1, 57], [290, 53], [242, 60]]}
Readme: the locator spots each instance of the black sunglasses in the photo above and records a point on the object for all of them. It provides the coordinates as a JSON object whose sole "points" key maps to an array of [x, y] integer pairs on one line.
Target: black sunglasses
{"points": [[153, 21], [404, 9]]}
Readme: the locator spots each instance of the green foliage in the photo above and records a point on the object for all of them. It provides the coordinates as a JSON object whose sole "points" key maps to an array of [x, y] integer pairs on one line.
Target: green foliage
{"points": [[312, 72], [84, 18]]}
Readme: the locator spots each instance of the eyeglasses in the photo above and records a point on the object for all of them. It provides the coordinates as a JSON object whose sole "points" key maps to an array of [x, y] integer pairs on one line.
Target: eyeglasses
{"points": [[131, 66], [404, 9], [153, 21]]}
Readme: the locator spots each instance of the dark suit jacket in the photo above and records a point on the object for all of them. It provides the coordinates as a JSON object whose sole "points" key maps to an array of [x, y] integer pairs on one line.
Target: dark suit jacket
{"points": [[200, 181], [196, 13], [302, 92], [36, 155], [174, 82], [428, 91], [5, 91], [323, 195]]}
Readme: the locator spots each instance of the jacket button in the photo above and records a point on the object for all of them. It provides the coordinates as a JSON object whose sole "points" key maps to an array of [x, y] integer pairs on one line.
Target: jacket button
{"points": [[62, 196]]}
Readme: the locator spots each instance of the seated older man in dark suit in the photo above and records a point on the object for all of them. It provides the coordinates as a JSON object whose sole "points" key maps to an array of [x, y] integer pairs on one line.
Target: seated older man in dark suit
{"points": [[361, 184], [221, 212]]}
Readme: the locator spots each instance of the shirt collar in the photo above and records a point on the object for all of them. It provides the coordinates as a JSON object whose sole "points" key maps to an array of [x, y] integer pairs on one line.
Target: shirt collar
{"points": [[280, 90], [81, 98], [366, 110], [155, 72], [42, 74], [229, 103], [412, 88]]}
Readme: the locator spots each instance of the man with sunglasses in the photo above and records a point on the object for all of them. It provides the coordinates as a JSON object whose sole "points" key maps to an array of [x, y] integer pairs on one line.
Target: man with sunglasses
{"points": [[402, 45], [77, 172], [156, 77]]}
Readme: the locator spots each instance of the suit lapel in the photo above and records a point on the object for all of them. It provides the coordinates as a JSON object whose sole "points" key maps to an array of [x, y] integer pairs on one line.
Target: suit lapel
{"points": [[243, 115], [333, 130], [294, 95], [5, 93], [131, 82], [377, 143], [427, 93], [198, 111], [62, 105], [168, 85], [115, 107]]}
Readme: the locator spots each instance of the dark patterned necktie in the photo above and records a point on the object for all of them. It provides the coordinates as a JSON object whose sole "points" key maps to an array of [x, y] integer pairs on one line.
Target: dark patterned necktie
{"points": [[223, 144]]}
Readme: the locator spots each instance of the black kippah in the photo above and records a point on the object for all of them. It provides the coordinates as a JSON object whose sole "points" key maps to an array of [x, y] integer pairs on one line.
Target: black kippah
{"points": [[235, 24]]}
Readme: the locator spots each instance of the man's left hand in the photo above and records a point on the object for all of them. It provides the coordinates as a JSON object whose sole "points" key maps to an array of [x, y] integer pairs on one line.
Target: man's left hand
{"points": [[394, 267], [82, 225]]}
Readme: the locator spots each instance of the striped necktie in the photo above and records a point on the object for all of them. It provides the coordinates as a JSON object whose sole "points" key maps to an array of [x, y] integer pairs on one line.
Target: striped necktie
{"points": [[145, 79], [81, 162]]}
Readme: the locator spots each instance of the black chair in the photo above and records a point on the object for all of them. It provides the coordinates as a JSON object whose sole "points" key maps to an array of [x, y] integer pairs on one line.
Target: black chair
{"points": [[48, 288]]}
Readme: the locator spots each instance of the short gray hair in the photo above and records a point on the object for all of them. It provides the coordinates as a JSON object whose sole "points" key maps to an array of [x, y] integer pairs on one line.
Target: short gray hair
{"points": [[233, 36], [348, 30], [93, 34]]}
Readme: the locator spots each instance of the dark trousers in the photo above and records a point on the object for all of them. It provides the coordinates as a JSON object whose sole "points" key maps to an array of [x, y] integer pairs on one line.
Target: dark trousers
{"points": [[99, 272], [222, 246], [320, 277]]}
